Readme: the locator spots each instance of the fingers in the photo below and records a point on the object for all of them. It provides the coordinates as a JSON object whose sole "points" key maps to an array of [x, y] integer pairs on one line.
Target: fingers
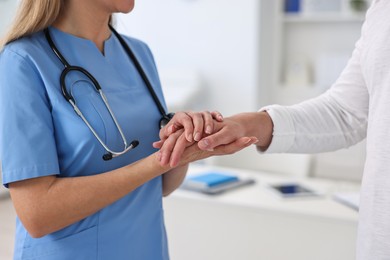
{"points": [[167, 147], [220, 138], [208, 119], [172, 148], [204, 122], [193, 153], [197, 120], [217, 116], [178, 150], [158, 144], [185, 128], [195, 124], [235, 146], [181, 120]]}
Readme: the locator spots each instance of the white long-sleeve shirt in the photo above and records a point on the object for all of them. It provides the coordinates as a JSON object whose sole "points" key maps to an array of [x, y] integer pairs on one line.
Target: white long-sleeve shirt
{"points": [[357, 106]]}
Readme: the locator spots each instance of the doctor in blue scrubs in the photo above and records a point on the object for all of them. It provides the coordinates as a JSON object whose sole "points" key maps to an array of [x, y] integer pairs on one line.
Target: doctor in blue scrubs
{"points": [[77, 123]]}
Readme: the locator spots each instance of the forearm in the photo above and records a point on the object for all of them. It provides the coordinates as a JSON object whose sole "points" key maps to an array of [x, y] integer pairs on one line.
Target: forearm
{"points": [[173, 179], [318, 125], [48, 204], [256, 124]]}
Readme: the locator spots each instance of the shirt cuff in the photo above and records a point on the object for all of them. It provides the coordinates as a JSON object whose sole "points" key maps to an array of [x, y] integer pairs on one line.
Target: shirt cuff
{"points": [[284, 130]]}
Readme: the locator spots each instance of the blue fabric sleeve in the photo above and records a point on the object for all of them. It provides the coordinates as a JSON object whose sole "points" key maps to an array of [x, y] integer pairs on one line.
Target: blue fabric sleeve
{"points": [[27, 142]]}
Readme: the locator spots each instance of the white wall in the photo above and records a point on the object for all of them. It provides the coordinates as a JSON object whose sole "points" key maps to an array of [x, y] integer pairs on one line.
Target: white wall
{"points": [[7, 10], [217, 38], [236, 48]]}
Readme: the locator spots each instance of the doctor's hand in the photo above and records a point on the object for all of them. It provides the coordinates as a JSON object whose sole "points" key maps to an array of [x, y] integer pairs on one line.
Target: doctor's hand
{"points": [[195, 124], [252, 124], [177, 151]]}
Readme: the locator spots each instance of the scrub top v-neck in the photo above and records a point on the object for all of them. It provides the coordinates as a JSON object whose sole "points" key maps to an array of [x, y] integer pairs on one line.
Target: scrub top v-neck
{"points": [[41, 135]]}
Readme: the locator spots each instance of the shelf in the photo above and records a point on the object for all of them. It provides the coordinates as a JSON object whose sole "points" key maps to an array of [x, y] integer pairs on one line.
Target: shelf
{"points": [[324, 18]]}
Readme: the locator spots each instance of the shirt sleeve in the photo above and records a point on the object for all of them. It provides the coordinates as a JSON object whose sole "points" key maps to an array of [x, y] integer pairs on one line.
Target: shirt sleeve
{"points": [[27, 143], [334, 120]]}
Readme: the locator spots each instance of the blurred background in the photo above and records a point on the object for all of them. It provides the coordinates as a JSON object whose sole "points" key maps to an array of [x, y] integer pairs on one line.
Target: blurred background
{"points": [[237, 56]]}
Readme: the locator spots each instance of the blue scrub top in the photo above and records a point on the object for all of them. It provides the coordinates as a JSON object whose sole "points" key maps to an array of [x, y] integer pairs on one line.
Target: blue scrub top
{"points": [[41, 135]]}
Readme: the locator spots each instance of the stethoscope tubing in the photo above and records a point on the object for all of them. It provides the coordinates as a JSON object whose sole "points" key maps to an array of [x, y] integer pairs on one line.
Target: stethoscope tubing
{"points": [[68, 68], [140, 70], [65, 72], [132, 145]]}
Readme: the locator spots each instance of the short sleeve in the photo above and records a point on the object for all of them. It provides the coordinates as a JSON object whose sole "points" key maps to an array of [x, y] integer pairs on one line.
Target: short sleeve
{"points": [[27, 142]]}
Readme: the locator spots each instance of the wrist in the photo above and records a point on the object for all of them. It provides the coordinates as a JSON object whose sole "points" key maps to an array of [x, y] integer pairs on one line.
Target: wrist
{"points": [[266, 128], [150, 167], [156, 164], [257, 124]]}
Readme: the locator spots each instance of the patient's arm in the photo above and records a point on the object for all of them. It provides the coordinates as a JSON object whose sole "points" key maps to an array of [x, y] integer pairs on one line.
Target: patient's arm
{"points": [[175, 149], [257, 125]]}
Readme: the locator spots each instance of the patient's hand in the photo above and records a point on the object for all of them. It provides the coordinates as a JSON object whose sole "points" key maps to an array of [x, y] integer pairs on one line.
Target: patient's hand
{"points": [[228, 137], [176, 150], [257, 126]]}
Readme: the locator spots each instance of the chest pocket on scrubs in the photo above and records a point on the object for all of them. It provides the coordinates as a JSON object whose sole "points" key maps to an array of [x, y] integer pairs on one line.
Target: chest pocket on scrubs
{"points": [[79, 246]]}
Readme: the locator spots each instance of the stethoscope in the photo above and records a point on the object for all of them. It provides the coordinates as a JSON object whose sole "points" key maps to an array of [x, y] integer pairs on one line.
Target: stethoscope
{"points": [[68, 96]]}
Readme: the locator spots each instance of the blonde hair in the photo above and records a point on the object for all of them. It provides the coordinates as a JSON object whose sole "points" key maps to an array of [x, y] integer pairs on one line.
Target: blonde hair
{"points": [[32, 16]]}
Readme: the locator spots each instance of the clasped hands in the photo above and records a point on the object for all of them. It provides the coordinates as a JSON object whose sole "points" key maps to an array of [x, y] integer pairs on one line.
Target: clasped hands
{"points": [[192, 136]]}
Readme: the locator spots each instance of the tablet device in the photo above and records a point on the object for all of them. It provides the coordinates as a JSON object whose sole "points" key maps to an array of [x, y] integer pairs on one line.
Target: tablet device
{"points": [[293, 190]]}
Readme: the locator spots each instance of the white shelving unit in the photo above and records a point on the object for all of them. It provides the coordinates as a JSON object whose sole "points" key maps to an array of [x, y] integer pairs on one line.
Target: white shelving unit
{"points": [[282, 37], [323, 18], [306, 39], [302, 42]]}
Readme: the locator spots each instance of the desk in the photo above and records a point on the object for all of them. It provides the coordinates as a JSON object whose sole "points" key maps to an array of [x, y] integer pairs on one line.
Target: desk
{"points": [[254, 223]]}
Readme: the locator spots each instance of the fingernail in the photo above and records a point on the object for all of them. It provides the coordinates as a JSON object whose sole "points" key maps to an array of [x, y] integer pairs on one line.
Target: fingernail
{"points": [[220, 118], [173, 164], [247, 141], [208, 129], [204, 143], [189, 138], [170, 130], [197, 136]]}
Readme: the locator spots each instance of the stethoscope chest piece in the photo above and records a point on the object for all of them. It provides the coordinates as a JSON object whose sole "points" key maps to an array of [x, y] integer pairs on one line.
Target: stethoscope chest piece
{"points": [[165, 119]]}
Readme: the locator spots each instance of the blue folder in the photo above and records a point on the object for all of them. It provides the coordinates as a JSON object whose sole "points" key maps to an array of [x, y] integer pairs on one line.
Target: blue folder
{"points": [[211, 179], [214, 182]]}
